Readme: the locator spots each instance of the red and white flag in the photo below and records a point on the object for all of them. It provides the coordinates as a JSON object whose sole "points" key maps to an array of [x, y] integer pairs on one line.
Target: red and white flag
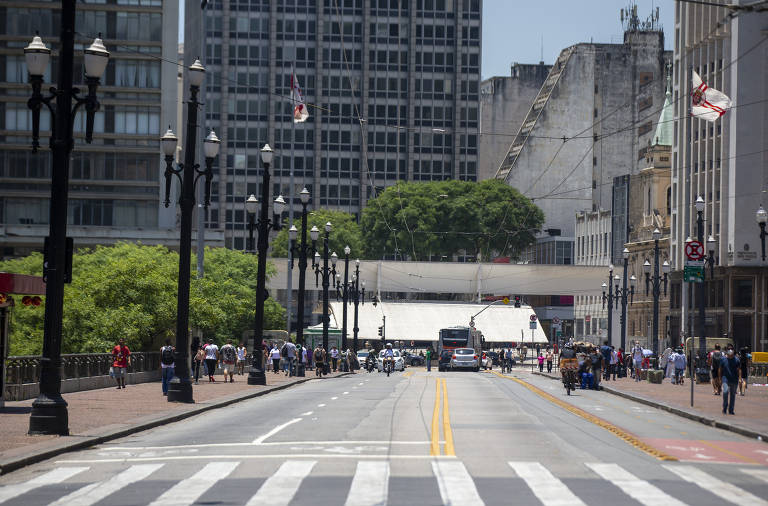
{"points": [[707, 103], [300, 112]]}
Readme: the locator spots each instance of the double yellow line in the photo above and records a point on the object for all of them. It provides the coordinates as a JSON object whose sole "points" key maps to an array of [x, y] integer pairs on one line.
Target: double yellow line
{"points": [[434, 447]]}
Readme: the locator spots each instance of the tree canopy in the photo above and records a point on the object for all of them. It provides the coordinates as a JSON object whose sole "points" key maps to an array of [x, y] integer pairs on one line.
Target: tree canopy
{"points": [[129, 291], [344, 232], [444, 218]]}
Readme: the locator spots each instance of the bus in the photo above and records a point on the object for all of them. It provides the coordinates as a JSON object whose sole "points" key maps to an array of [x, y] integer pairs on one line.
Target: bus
{"points": [[451, 338]]}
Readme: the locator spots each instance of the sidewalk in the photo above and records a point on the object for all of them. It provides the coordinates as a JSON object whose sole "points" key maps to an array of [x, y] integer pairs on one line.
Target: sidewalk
{"points": [[751, 417], [101, 415]]}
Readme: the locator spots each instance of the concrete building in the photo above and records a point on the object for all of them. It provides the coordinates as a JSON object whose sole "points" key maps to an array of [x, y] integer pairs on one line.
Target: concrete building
{"points": [[115, 189], [393, 87], [504, 103], [589, 122], [726, 163]]}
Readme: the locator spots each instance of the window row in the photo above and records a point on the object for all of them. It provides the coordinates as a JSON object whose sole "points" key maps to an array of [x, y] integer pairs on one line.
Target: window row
{"points": [[90, 212], [119, 72]]}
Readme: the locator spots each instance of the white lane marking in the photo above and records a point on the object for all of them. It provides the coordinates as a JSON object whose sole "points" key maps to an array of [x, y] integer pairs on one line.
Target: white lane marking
{"points": [[188, 491], [721, 489], [271, 443], [455, 483], [360, 384], [280, 488], [760, 474], [370, 484], [344, 393], [307, 413], [639, 490], [548, 489], [321, 405], [274, 431], [95, 492], [334, 398], [49, 478], [256, 457]]}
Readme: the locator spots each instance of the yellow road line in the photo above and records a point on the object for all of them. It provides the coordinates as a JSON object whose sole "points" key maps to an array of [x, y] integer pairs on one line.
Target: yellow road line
{"points": [[409, 374], [448, 449], [733, 454], [434, 447], [621, 433]]}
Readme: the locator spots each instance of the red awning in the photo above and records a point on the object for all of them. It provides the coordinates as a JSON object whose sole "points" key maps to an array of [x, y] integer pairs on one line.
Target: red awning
{"points": [[21, 284]]}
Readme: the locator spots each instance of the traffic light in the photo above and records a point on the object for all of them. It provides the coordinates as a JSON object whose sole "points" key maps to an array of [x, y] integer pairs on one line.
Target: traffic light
{"points": [[517, 301], [381, 329]]}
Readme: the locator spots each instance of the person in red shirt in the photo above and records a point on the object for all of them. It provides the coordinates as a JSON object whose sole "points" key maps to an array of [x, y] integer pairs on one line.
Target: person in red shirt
{"points": [[121, 356]]}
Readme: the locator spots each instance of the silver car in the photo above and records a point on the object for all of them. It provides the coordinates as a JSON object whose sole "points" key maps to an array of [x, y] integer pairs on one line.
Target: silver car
{"points": [[465, 358]]}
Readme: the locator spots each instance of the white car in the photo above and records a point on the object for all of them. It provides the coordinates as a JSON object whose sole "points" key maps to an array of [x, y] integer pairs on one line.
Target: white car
{"points": [[399, 362], [361, 356]]}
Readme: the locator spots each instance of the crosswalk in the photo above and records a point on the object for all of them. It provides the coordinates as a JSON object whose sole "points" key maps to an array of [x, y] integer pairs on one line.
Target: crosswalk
{"points": [[372, 483]]}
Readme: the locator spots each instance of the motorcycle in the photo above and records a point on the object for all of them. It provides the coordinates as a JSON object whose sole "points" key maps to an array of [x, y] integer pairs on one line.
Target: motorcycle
{"points": [[370, 365], [388, 365]]}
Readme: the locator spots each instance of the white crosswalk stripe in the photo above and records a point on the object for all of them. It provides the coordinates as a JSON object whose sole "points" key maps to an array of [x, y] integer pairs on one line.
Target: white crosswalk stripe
{"points": [[456, 485], [50, 478], [188, 491], [760, 474], [95, 492], [280, 488], [370, 484], [548, 489], [724, 490], [639, 490]]}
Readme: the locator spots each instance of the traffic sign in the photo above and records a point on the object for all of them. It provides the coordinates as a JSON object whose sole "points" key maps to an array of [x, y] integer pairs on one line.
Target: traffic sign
{"points": [[556, 320], [533, 317], [533, 324], [694, 250], [693, 274], [505, 300]]}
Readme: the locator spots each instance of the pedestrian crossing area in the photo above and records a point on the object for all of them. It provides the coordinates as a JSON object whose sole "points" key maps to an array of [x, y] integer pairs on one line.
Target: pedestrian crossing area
{"points": [[372, 482]]}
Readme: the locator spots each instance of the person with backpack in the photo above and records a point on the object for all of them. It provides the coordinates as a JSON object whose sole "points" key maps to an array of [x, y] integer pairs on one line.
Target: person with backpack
{"points": [[319, 358], [211, 358], [228, 355], [199, 360], [167, 364], [714, 358]]}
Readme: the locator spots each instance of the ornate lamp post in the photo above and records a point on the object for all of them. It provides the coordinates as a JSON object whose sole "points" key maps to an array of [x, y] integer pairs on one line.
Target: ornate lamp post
{"points": [[302, 251], [251, 207], [188, 174], [623, 294], [359, 297], [345, 289], [327, 273], [49, 411], [610, 298], [700, 205], [256, 374], [761, 216], [656, 281]]}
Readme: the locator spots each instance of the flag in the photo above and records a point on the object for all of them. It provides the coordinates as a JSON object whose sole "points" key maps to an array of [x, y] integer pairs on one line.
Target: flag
{"points": [[707, 103], [300, 112]]}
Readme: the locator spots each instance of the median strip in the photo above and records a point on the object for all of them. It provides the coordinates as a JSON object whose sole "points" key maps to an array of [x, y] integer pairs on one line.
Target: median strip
{"points": [[434, 447], [449, 450]]}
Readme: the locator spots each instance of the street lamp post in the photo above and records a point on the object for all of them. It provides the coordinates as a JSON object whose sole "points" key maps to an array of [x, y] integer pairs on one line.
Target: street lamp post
{"points": [[251, 206], [700, 204], [656, 281], [256, 374], [761, 216], [301, 250], [345, 289], [327, 273], [49, 411], [188, 173], [624, 295], [359, 296], [609, 298]]}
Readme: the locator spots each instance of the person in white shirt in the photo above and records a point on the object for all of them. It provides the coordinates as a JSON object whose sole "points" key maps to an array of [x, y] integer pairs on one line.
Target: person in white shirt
{"points": [[334, 358], [274, 354], [614, 363], [211, 359], [637, 357], [241, 354]]}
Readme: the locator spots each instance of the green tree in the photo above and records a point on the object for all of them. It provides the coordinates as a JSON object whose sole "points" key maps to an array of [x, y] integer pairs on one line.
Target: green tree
{"points": [[446, 217], [344, 232]]}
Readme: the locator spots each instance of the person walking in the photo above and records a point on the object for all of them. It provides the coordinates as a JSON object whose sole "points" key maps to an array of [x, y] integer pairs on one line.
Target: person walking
{"points": [[729, 372], [289, 356], [428, 359], [211, 359], [228, 359], [193, 347], [199, 360], [613, 363], [637, 358], [540, 358], [550, 359], [597, 367], [714, 362], [121, 359], [274, 354], [680, 363], [242, 353], [744, 358], [167, 364], [334, 358], [605, 351], [318, 356]]}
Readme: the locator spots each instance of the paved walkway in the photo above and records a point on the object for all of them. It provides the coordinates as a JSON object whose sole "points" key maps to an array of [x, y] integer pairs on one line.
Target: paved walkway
{"points": [[751, 409], [107, 410]]}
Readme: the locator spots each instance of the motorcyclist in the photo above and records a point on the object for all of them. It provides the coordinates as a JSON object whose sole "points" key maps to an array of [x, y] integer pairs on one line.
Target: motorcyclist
{"points": [[370, 360], [389, 356]]}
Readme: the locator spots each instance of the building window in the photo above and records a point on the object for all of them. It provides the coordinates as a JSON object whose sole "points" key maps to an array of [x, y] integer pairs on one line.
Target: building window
{"points": [[742, 293]]}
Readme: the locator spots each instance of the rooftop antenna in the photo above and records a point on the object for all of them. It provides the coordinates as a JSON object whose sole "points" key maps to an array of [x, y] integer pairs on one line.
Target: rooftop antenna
{"points": [[542, 49]]}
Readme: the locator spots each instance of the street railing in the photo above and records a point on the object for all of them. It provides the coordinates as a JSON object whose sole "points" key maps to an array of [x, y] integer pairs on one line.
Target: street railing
{"points": [[26, 368]]}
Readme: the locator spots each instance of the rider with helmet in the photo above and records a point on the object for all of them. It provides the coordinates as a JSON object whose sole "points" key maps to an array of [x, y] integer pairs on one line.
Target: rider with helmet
{"points": [[389, 357]]}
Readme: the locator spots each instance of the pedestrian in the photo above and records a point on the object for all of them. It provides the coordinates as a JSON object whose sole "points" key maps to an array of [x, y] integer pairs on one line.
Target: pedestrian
{"points": [[714, 362], [744, 358], [211, 359], [613, 363], [334, 358], [621, 367], [228, 356], [637, 358], [302, 352], [605, 351], [242, 353], [318, 356], [540, 358], [121, 359], [193, 347], [167, 364], [428, 359], [729, 372], [668, 363], [288, 353], [199, 360], [680, 363], [550, 359], [596, 358], [275, 356], [585, 373]]}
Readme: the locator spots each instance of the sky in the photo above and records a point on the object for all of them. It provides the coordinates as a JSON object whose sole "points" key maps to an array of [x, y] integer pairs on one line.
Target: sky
{"points": [[514, 30]]}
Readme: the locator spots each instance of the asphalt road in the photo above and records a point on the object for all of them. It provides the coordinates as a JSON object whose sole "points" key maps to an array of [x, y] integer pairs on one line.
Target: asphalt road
{"points": [[413, 438]]}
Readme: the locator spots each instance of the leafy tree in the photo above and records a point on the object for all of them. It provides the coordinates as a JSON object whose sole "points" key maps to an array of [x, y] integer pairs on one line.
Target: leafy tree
{"points": [[129, 291], [344, 232], [446, 217]]}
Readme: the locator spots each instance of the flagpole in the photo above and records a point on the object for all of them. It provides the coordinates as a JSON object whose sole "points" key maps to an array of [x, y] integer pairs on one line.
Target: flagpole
{"points": [[289, 281]]}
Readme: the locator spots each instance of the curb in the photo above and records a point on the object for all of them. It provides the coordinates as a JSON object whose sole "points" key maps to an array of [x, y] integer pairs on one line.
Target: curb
{"points": [[15, 463], [679, 412]]}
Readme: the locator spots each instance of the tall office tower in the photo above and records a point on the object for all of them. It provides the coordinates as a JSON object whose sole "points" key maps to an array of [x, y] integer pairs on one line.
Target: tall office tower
{"points": [[392, 88], [725, 163], [115, 190]]}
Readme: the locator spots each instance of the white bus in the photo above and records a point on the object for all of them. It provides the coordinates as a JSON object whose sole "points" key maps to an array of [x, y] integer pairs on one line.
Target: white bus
{"points": [[451, 338]]}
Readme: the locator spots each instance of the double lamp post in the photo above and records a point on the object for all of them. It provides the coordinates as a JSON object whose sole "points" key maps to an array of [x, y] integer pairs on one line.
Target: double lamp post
{"points": [[616, 296]]}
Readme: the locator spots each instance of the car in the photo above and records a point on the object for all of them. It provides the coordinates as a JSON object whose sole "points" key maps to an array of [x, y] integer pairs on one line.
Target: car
{"points": [[361, 356], [413, 359], [399, 362], [494, 357], [444, 362], [465, 358]]}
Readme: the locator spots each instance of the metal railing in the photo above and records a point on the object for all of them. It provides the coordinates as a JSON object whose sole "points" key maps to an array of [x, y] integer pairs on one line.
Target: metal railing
{"points": [[25, 369]]}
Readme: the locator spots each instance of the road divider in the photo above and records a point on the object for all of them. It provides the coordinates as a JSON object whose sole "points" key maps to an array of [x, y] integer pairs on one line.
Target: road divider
{"points": [[447, 432], [434, 448], [441, 393]]}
